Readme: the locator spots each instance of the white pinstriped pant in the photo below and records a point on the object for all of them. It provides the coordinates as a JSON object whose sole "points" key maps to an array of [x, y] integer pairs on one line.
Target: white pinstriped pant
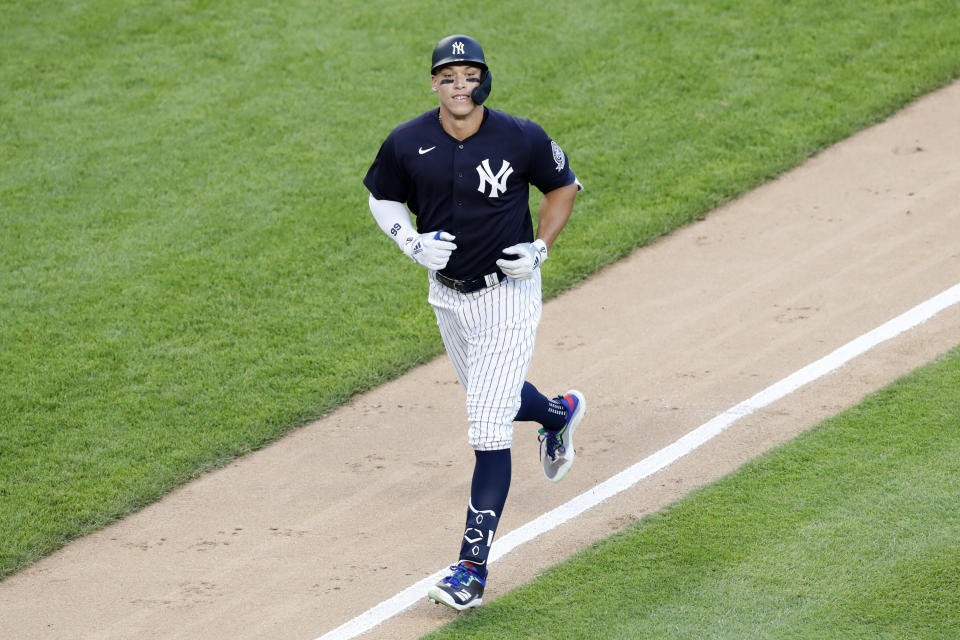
{"points": [[489, 336]]}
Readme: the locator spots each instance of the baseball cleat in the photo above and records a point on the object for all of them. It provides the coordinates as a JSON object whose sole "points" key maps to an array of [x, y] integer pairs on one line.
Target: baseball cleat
{"points": [[462, 589], [558, 457]]}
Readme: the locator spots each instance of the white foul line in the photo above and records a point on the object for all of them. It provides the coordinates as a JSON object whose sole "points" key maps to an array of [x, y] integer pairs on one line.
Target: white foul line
{"points": [[661, 459]]}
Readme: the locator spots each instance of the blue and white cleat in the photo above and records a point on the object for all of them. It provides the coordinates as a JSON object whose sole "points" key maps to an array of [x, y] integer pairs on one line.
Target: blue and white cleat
{"points": [[462, 589], [559, 454]]}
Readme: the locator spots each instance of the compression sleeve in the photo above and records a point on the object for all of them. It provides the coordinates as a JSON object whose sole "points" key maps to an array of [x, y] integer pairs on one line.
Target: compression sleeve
{"points": [[393, 218]]}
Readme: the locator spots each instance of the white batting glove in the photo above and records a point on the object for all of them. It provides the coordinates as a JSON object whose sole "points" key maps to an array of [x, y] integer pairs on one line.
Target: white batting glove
{"points": [[432, 250], [530, 255]]}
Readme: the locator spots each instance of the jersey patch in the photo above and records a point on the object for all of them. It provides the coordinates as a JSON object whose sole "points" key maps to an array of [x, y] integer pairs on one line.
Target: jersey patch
{"points": [[558, 156]]}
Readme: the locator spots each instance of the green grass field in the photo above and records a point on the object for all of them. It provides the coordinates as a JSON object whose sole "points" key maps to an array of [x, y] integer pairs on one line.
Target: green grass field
{"points": [[851, 531], [187, 265]]}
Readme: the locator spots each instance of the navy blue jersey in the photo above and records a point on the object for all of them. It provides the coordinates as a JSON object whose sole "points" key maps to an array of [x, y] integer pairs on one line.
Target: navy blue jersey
{"points": [[477, 189]]}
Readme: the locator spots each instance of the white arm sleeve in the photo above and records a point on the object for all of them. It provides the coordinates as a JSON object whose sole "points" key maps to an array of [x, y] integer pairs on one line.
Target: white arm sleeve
{"points": [[393, 219]]}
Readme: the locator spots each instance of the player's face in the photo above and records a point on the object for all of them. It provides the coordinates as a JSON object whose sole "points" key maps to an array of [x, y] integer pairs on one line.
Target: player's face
{"points": [[454, 84]]}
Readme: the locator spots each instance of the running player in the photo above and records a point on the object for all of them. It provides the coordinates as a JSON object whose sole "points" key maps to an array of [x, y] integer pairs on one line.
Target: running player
{"points": [[464, 170]]}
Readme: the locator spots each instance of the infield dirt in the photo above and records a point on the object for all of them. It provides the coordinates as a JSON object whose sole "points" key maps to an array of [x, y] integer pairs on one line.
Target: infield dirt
{"points": [[298, 538]]}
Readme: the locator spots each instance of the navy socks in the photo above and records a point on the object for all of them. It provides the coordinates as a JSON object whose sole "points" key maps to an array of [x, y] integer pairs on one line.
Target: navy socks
{"points": [[488, 494], [536, 407]]}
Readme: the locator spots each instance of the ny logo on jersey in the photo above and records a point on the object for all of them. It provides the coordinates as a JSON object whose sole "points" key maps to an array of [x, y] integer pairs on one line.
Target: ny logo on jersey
{"points": [[458, 48], [498, 182]]}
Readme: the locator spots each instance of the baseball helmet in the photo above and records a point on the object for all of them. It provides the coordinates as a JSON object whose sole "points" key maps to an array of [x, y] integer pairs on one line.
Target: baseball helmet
{"points": [[461, 49]]}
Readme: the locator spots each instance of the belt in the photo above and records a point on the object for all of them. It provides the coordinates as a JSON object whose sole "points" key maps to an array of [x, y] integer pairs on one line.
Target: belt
{"points": [[474, 284]]}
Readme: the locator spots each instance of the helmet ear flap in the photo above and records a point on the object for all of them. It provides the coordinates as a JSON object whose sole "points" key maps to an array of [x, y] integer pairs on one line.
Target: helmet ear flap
{"points": [[482, 91]]}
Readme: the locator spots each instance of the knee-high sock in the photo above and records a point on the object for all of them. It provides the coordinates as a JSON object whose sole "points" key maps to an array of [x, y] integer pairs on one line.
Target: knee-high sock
{"points": [[488, 494]]}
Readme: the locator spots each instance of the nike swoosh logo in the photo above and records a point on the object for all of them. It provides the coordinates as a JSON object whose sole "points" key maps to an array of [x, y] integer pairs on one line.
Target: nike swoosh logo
{"points": [[423, 151]]}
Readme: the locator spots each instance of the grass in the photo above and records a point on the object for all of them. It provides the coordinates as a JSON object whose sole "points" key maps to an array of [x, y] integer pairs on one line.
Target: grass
{"points": [[850, 531], [187, 266]]}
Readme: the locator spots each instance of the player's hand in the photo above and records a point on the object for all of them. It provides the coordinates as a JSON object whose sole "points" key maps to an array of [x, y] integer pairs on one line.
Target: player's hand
{"points": [[432, 250], [530, 255]]}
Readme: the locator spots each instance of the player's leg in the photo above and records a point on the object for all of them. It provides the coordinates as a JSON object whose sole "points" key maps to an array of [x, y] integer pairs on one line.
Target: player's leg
{"points": [[463, 588], [499, 327], [488, 494]]}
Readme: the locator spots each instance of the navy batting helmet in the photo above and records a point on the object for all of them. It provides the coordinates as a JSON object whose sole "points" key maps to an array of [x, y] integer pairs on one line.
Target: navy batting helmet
{"points": [[457, 49], [461, 49]]}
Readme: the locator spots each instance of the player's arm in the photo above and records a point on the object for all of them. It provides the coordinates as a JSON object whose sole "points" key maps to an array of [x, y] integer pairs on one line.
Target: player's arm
{"points": [[554, 212], [393, 218], [432, 250], [555, 209]]}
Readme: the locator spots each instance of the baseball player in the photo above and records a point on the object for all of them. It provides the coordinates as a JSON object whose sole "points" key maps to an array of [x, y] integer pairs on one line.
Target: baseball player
{"points": [[464, 170]]}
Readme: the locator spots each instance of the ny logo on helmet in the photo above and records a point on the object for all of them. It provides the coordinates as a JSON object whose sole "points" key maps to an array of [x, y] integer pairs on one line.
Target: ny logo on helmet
{"points": [[498, 181], [458, 48]]}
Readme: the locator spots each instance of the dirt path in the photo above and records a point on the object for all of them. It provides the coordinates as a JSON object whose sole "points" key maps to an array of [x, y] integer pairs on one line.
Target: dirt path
{"points": [[301, 537]]}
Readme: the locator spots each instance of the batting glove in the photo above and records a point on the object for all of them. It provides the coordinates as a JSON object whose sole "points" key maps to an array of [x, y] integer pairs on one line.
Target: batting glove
{"points": [[530, 255], [432, 250]]}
